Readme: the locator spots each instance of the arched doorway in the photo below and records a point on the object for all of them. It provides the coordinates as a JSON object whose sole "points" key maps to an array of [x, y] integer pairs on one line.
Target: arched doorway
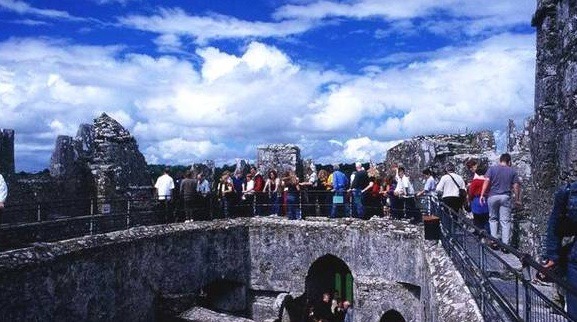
{"points": [[329, 274], [392, 316]]}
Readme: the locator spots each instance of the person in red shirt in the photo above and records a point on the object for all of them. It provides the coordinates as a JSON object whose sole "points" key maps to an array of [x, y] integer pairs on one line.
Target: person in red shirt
{"points": [[480, 210], [261, 197]]}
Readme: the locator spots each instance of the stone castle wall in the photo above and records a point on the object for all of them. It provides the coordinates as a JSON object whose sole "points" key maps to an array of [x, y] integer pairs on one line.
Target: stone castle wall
{"points": [[122, 275], [436, 151], [553, 129]]}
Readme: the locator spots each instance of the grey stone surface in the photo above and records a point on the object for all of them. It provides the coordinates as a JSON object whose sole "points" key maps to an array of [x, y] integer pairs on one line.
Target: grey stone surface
{"points": [[552, 129], [6, 152], [199, 314], [450, 299], [122, 275], [207, 169], [436, 151], [117, 164], [282, 157]]}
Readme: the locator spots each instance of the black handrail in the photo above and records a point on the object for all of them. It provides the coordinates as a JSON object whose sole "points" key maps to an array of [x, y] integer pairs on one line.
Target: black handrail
{"points": [[458, 232]]}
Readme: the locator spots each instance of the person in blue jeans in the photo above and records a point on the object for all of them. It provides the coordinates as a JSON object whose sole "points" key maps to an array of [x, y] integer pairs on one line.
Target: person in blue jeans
{"points": [[565, 204], [291, 182], [359, 185], [339, 183]]}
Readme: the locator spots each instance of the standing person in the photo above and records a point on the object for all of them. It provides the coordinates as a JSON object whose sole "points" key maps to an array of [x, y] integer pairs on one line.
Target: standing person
{"points": [[291, 183], [348, 306], [324, 192], [310, 195], [359, 185], [449, 187], [339, 186], [164, 186], [248, 195], [372, 199], [502, 180], [225, 193], [563, 223], [3, 195], [238, 183], [188, 187], [394, 202], [472, 165], [203, 197], [273, 188], [429, 188], [322, 310], [406, 194], [480, 211], [261, 198]]}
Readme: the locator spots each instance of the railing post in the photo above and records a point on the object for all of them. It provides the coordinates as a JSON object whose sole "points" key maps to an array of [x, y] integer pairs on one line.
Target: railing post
{"points": [[527, 298], [92, 205], [128, 213], [301, 194], [39, 212]]}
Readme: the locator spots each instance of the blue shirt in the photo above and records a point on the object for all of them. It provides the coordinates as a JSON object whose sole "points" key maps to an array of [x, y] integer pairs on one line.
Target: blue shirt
{"points": [[501, 179], [339, 181]]}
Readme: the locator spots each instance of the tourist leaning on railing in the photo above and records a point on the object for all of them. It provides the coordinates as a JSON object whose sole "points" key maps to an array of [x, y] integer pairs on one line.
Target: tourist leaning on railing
{"points": [[406, 194], [188, 187], [338, 181], [429, 189], [272, 188], [324, 194], [291, 183]]}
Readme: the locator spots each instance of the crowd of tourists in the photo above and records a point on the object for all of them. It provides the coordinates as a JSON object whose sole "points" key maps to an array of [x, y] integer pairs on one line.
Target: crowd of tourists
{"points": [[363, 194], [488, 195]]}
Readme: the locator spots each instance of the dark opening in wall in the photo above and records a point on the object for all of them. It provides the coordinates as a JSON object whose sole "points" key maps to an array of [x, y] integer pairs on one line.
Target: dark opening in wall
{"points": [[224, 296], [392, 316], [329, 274]]}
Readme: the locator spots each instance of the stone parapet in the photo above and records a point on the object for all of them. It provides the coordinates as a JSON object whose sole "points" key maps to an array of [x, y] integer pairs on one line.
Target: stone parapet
{"points": [[123, 274]]}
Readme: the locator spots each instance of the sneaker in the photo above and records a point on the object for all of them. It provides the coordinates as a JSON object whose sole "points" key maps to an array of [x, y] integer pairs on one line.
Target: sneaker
{"points": [[493, 246]]}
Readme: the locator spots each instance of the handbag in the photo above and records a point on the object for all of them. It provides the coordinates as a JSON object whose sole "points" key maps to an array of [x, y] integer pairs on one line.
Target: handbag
{"points": [[462, 192], [338, 199]]}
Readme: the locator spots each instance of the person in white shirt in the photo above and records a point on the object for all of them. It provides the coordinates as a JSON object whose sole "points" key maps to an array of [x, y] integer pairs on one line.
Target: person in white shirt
{"points": [[164, 186], [406, 193], [449, 187], [3, 195], [429, 188], [203, 197]]}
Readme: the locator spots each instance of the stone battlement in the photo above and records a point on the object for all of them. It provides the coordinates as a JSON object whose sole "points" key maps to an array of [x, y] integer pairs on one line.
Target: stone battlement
{"points": [[121, 274]]}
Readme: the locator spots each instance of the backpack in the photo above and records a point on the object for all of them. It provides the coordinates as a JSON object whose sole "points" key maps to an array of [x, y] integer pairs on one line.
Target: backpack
{"points": [[571, 191], [567, 225]]}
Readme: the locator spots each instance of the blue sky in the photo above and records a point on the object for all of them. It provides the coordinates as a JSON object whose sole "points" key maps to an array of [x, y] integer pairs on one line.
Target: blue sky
{"points": [[197, 80]]}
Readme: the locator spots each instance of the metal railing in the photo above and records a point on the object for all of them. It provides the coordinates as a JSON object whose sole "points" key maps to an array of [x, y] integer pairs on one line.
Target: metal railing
{"points": [[503, 285], [207, 207]]}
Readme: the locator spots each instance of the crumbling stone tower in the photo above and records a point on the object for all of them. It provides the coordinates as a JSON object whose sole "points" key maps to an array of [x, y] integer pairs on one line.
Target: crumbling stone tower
{"points": [[553, 129], [7, 152], [282, 157]]}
